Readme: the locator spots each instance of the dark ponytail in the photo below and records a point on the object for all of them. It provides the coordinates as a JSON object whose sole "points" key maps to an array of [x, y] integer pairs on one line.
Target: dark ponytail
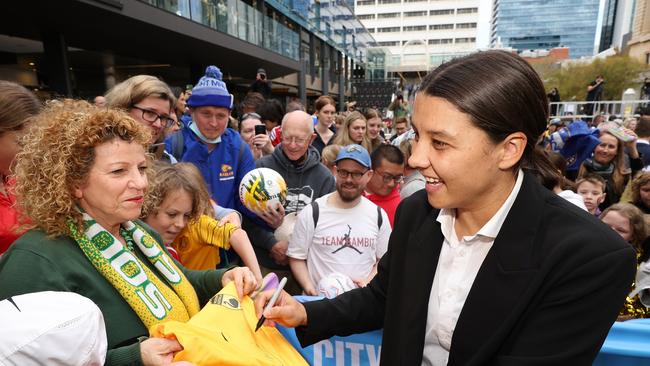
{"points": [[539, 164]]}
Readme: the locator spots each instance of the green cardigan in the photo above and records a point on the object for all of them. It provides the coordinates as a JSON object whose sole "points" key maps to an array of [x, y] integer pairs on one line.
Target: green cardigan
{"points": [[37, 263]]}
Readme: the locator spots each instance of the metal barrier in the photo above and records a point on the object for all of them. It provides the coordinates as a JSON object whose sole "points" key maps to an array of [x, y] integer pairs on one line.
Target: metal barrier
{"points": [[584, 109]]}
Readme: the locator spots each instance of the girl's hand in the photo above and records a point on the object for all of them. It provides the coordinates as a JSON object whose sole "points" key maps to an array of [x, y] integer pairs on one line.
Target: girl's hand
{"points": [[232, 218], [244, 278]]}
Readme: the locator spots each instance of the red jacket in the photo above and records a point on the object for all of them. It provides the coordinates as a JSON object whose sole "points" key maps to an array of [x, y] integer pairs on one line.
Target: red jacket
{"points": [[8, 217], [389, 203]]}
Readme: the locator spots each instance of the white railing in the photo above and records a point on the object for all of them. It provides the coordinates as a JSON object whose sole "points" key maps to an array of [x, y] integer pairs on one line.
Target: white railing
{"points": [[585, 109]]}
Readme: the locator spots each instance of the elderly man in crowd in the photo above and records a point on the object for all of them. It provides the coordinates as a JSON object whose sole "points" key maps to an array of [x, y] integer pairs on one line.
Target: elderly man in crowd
{"points": [[307, 179]]}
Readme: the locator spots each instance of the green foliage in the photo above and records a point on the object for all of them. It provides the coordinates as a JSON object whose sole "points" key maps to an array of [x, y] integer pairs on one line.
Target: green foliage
{"points": [[620, 72]]}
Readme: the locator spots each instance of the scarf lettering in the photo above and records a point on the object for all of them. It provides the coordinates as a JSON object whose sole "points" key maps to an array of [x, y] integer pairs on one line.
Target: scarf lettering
{"points": [[162, 262], [129, 268], [165, 267], [154, 300], [163, 293]]}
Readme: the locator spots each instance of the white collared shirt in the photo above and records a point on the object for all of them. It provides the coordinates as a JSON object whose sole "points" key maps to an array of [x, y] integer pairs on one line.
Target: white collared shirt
{"points": [[458, 265]]}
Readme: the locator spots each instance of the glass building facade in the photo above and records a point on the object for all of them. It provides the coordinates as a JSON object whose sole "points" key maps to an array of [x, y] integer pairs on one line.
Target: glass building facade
{"points": [[331, 20], [543, 24]]}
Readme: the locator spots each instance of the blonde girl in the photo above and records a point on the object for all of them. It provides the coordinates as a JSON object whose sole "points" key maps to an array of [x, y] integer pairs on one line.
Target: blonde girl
{"points": [[178, 207]]}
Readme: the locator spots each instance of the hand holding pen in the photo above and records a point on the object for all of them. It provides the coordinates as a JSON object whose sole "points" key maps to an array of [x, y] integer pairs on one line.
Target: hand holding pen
{"points": [[286, 311], [269, 305]]}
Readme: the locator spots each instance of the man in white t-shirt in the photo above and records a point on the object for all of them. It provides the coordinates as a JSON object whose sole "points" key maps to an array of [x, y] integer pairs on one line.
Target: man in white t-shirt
{"points": [[342, 231]]}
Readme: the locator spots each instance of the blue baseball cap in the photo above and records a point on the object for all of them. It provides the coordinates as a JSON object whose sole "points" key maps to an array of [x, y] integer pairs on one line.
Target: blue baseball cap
{"points": [[355, 152]]}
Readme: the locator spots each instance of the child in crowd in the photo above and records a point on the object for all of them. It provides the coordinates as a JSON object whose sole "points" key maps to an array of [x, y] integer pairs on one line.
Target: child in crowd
{"points": [[328, 156], [628, 222], [178, 207], [592, 189], [641, 192]]}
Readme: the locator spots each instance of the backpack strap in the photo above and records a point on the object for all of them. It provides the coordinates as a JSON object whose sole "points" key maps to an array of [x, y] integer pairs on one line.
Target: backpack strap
{"points": [[177, 145], [314, 212], [380, 219]]}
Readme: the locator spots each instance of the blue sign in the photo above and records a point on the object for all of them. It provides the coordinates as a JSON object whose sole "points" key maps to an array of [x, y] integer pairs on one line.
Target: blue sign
{"points": [[355, 350], [627, 344]]}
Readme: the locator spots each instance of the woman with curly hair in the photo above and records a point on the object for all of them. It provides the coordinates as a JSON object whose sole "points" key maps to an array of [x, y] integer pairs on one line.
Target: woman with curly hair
{"points": [[353, 131], [17, 106], [81, 180]]}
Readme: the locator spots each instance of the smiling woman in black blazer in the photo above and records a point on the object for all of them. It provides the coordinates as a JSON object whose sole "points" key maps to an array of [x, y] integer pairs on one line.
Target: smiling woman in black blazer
{"points": [[485, 265]]}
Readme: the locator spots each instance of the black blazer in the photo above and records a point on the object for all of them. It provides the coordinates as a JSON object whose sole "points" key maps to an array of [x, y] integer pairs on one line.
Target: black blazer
{"points": [[546, 294]]}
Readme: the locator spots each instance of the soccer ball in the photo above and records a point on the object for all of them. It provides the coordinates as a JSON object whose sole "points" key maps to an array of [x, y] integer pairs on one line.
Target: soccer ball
{"points": [[334, 284], [261, 188]]}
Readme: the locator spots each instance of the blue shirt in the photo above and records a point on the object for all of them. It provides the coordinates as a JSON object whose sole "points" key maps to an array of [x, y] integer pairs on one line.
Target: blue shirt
{"points": [[221, 168]]}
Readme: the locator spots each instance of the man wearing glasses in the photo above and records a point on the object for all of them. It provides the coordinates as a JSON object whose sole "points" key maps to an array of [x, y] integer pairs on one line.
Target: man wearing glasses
{"points": [[341, 232], [383, 187], [307, 179]]}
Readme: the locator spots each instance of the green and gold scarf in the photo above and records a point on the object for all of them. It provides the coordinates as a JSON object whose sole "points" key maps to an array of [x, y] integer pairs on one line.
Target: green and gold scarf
{"points": [[142, 289]]}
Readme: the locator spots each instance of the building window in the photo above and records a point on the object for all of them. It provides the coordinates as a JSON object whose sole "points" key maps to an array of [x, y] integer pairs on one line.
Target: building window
{"points": [[415, 1], [466, 40], [441, 26], [441, 41], [365, 2], [389, 44], [414, 28], [387, 15], [441, 12], [371, 30], [388, 29], [415, 13], [390, 1], [465, 25], [467, 11], [366, 16]]}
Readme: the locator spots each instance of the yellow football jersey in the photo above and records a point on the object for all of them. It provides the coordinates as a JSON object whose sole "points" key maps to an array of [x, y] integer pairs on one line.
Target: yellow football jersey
{"points": [[223, 333], [199, 242]]}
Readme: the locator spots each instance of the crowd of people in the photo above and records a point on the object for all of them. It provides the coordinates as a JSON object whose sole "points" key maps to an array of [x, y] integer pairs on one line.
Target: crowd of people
{"points": [[143, 184], [134, 203]]}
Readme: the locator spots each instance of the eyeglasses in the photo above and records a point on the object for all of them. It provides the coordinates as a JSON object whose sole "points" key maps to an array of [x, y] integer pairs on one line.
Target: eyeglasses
{"points": [[293, 139], [254, 115], [344, 174], [151, 117], [387, 178]]}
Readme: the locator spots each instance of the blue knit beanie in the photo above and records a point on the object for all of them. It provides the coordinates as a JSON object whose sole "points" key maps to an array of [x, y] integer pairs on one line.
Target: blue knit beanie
{"points": [[210, 91]]}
